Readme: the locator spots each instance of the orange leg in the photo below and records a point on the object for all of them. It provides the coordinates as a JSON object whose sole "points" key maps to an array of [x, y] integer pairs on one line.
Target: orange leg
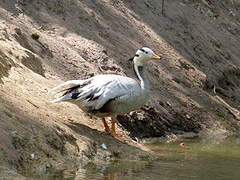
{"points": [[113, 128], [111, 131], [107, 129]]}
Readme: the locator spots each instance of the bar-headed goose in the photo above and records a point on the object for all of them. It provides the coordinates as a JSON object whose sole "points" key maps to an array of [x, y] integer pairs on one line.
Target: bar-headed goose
{"points": [[109, 95]]}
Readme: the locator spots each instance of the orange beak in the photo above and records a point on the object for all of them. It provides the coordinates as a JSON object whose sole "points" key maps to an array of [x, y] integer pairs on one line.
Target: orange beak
{"points": [[155, 57]]}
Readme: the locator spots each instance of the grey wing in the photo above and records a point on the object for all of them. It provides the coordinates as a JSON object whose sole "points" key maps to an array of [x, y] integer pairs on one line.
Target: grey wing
{"points": [[94, 93], [105, 88]]}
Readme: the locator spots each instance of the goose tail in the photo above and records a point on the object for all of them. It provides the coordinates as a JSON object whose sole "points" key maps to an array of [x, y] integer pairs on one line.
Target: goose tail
{"points": [[66, 90]]}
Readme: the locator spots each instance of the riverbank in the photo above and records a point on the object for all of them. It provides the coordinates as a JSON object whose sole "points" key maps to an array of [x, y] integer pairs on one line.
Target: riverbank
{"points": [[43, 43]]}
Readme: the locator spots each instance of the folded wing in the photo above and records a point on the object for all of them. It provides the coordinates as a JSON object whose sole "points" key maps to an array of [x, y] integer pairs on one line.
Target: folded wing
{"points": [[93, 93]]}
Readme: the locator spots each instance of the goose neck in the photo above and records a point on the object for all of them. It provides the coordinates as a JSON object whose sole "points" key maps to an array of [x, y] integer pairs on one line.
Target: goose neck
{"points": [[139, 70]]}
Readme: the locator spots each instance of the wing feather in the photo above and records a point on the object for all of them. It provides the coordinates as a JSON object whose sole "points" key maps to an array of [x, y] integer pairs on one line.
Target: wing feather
{"points": [[99, 90]]}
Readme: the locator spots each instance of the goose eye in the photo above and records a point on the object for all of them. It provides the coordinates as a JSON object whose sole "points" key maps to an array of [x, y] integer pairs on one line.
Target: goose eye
{"points": [[146, 52]]}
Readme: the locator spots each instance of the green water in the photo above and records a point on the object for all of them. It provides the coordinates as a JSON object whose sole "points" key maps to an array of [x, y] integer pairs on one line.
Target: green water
{"points": [[197, 160]]}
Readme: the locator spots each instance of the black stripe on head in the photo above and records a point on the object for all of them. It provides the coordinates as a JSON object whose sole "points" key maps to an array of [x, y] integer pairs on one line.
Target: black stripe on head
{"points": [[131, 59], [144, 51]]}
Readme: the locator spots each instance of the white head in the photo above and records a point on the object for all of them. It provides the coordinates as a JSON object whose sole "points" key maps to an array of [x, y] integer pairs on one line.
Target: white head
{"points": [[143, 55]]}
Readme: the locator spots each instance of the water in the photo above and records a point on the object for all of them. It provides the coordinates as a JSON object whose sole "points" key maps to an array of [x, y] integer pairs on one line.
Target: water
{"points": [[195, 160]]}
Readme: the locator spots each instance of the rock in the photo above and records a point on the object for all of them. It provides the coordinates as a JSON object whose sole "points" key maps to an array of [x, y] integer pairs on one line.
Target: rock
{"points": [[35, 36]]}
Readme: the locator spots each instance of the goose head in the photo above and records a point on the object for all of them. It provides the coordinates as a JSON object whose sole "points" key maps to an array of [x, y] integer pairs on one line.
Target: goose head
{"points": [[144, 55]]}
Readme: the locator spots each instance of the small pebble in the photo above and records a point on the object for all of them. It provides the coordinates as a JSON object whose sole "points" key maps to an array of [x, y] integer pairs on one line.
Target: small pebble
{"points": [[182, 144], [35, 36], [168, 103]]}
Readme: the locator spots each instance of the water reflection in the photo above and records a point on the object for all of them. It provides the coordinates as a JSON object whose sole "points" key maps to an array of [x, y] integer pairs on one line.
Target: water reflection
{"points": [[197, 159], [115, 171]]}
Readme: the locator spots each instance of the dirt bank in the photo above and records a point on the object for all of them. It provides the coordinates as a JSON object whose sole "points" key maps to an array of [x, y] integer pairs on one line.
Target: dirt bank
{"points": [[194, 88]]}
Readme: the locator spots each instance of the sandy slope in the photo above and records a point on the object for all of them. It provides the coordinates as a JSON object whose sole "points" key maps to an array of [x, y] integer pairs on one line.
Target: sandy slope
{"points": [[199, 43]]}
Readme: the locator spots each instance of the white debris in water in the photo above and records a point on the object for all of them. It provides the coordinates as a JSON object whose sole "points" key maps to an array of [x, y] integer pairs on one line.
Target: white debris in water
{"points": [[32, 156], [104, 146]]}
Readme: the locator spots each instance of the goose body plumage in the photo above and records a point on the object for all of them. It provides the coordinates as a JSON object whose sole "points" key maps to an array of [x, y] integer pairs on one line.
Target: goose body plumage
{"points": [[104, 95]]}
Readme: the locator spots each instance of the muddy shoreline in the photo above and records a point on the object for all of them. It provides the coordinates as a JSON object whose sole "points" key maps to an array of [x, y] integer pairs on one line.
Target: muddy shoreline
{"points": [[194, 89]]}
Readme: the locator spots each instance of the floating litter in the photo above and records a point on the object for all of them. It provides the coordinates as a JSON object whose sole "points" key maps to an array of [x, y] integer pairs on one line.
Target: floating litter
{"points": [[104, 146], [32, 156]]}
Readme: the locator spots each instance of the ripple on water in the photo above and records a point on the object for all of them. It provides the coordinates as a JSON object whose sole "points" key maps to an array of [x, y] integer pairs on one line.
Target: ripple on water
{"points": [[196, 159]]}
